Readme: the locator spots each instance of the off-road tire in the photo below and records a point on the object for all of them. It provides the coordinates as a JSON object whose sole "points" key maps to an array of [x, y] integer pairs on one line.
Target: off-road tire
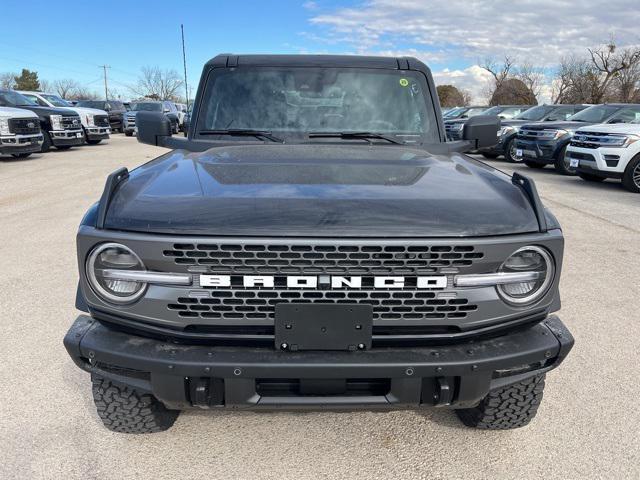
{"points": [[589, 177], [510, 407], [561, 165], [489, 155], [508, 149], [535, 165], [46, 142], [632, 170], [125, 410]]}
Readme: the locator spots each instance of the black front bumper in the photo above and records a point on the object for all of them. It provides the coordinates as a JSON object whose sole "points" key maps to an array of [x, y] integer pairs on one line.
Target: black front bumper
{"points": [[188, 376], [541, 151]]}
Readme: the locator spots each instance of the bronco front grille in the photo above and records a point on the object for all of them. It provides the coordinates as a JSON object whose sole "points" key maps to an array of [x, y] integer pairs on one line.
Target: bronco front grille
{"points": [[24, 126], [260, 304], [269, 259]]}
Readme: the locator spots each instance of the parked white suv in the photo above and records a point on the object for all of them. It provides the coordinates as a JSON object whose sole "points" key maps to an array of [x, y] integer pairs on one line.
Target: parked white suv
{"points": [[20, 133], [606, 151], [95, 122]]}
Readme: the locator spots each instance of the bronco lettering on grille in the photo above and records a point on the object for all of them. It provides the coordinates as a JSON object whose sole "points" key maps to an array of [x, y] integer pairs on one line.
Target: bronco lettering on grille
{"points": [[334, 282]]}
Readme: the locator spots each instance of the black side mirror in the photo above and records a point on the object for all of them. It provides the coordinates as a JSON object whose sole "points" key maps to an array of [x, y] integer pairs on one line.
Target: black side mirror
{"points": [[153, 128], [482, 130]]}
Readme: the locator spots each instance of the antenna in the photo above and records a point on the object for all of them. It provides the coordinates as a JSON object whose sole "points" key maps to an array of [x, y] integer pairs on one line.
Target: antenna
{"points": [[106, 90], [184, 62]]}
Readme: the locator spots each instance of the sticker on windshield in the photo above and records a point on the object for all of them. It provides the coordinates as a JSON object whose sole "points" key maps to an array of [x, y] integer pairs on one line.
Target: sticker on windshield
{"points": [[404, 82]]}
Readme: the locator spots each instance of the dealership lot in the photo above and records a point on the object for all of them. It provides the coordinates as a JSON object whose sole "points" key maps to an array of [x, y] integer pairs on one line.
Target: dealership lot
{"points": [[587, 425]]}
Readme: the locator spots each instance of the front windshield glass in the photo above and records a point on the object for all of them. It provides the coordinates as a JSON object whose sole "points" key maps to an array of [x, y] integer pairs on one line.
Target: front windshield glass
{"points": [[91, 104], [296, 101], [535, 113], [56, 101], [147, 107], [9, 98], [472, 112], [595, 114], [453, 112]]}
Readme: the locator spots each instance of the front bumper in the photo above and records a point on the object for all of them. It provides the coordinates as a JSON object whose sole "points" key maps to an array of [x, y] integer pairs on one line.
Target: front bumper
{"points": [[602, 162], [500, 147], [98, 133], [67, 137], [188, 376], [541, 151], [16, 144]]}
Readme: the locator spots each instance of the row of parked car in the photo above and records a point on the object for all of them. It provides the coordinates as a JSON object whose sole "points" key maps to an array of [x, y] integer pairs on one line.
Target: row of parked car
{"points": [[595, 142], [35, 121]]}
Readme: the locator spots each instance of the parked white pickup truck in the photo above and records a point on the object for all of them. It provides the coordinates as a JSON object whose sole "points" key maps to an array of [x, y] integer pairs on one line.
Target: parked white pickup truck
{"points": [[95, 122], [20, 133], [606, 151]]}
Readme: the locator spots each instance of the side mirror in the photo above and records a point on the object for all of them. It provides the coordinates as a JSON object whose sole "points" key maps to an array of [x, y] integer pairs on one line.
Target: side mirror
{"points": [[153, 128], [482, 130]]}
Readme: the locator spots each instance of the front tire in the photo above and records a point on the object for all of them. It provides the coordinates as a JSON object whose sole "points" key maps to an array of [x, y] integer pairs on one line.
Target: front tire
{"points": [[46, 142], [631, 176], [20, 155], [562, 164], [509, 407], [510, 151], [125, 410]]}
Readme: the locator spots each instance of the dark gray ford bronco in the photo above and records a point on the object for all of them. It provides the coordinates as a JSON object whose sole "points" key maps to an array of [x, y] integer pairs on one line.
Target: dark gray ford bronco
{"points": [[315, 243]]}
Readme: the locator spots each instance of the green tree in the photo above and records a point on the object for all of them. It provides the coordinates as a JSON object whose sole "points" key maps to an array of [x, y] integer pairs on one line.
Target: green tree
{"points": [[450, 96], [27, 80]]}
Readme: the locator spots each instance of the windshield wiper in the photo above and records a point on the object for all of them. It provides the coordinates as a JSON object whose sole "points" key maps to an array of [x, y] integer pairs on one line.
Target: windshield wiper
{"points": [[243, 132], [354, 135]]}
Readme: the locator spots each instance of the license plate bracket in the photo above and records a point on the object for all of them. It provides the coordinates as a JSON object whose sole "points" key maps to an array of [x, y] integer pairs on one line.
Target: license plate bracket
{"points": [[574, 162], [304, 326]]}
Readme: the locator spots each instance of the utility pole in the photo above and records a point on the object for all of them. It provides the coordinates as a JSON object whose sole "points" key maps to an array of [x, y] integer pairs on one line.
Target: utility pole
{"points": [[106, 90], [184, 62]]}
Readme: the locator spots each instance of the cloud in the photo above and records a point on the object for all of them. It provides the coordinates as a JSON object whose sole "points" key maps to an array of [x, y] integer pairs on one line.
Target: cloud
{"points": [[542, 31], [473, 79]]}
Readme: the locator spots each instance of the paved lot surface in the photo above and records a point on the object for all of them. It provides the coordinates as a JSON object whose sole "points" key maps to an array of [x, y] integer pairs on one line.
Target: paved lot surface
{"points": [[588, 425]]}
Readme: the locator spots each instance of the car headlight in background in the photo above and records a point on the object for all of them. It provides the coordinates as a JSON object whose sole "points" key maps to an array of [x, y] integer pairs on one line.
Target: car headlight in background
{"points": [[507, 130], [90, 120], [109, 258], [530, 259], [56, 122], [458, 126], [4, 126]]}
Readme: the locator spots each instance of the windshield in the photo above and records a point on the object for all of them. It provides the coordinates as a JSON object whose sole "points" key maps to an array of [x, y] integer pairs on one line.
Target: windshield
{"points": [[91, 104], [453, 112], [472, 112], [55, 100], [10, 98], [147, 107], [535, 113], [300, 100], [595, 114]]}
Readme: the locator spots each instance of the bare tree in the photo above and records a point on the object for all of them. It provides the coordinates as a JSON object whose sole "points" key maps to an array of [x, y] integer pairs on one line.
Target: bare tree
{"points": [[466, 97], [512, 83], [531, 76], [65, 86], [45, 86], [499, 70], [8, 80], [82, 93], [610, 63], [158, 84]]}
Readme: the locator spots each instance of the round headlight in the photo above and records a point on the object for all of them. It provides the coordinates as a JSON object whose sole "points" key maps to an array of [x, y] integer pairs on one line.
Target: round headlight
{"points": [[527, 259], [113, 256]]}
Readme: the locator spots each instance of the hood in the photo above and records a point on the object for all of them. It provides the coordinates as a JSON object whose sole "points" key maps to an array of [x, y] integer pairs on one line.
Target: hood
{"points": [[628, 128], [46, 111], [10, 112], [564, 125], [319, 190], [82, 111]]}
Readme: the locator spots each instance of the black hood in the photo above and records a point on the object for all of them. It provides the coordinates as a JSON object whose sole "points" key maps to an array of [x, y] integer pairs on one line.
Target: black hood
{"points": [[556, 125], [319, 190], [46, 111]]}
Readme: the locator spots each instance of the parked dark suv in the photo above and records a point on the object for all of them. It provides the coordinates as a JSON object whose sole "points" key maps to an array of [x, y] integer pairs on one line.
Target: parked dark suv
{"points": [[454, 126], [60, 127], [315, 243], [541, 144], [114, 108], [169, 109], [507, 135]]}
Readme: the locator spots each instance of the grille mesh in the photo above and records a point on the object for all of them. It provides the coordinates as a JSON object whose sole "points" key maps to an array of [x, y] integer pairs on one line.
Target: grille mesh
{"points": [[317, 259], [101, 120], [20, 126], [260, 304]]}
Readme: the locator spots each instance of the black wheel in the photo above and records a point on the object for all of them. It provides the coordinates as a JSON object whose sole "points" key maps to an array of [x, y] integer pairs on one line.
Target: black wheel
{"points": [[562, 164], [128, 133], [63, 147], [591, 178], [631, 176], [46, 142], [510, 152], [534, 164], [509, 407], [489, 155], [20, 155], [125, 410]]}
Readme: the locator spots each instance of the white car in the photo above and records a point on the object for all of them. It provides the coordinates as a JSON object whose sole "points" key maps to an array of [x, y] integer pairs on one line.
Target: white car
{"points": [[20, 133], [606, 151], [182, 112], [95, 122]]}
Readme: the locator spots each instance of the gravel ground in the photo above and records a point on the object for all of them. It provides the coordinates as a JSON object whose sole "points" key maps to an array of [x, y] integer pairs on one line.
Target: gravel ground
{"points": [[587, 426]]}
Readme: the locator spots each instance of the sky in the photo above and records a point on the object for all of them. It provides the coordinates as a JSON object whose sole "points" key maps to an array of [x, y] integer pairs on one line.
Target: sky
{"points": [[451, 36]]}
